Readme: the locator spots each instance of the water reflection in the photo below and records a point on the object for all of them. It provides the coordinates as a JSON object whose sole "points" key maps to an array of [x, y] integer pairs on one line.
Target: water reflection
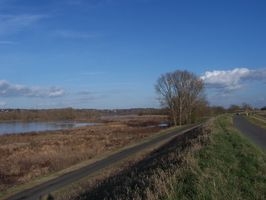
{"points": [[25, 127]]}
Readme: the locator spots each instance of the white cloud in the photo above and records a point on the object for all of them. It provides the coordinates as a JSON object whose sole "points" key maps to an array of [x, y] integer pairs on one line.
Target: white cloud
{"points": [[15, 90], [14, 23], [231, 80], [56, 92]]}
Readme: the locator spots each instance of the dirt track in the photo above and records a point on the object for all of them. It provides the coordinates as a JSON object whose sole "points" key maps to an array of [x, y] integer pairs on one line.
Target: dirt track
{"points": [[255, 133], [48, 187]]}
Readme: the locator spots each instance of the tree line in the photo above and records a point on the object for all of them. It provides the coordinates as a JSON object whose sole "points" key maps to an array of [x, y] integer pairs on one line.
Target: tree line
{"points": [[65, 114]]}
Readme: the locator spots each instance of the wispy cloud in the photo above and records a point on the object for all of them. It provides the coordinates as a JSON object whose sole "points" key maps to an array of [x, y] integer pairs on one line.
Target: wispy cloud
{"points": [[74, 2], [95, 3], [71, 34], [3, 103], [231, 80], [15, 90], [91, 3], [14, 23], [54, 92], [7, 42], [84, 93]]}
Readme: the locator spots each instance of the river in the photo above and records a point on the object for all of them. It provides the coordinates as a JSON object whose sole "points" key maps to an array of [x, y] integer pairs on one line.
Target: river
{"points": [[26, 127]]}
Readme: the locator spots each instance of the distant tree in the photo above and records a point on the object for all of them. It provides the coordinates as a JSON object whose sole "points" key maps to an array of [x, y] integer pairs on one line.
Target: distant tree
{"points": [[263, 108], [234, 108], [246, 106], [215, 110], [181, 92]]}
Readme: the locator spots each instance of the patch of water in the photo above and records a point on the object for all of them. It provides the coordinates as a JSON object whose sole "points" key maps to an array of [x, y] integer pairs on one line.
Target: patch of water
{"points": [[26, 127]]}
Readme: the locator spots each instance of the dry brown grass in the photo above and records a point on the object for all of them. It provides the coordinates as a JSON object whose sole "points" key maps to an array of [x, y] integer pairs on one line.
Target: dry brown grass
{"points": [[150, 176], [24, 157]]}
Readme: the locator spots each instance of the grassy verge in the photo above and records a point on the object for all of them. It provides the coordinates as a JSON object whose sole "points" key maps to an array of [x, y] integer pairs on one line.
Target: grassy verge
{"points": [[258, 120], [229, 167]]}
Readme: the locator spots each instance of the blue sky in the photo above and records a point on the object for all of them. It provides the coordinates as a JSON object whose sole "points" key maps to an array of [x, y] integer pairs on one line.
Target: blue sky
{"points": [[109, 53]]}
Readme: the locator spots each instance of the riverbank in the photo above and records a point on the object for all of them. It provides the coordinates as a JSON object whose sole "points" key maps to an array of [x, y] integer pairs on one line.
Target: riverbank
{"points": [[24, 157]]}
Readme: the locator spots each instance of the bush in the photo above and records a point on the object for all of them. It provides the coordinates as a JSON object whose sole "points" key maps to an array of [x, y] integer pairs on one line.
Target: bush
{"points": [[263, 108]]}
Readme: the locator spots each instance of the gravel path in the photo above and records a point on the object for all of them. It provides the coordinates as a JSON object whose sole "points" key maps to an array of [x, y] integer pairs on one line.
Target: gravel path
{"points": [[255, 133]]}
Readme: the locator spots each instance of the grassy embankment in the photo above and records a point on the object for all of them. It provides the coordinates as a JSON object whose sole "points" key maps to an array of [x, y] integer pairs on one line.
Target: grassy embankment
{"points": [[259, 118], [229, 167], [213, 163]]}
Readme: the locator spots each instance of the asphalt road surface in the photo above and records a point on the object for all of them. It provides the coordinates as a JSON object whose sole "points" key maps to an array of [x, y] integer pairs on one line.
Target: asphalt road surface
{"points": [[255, 133], [57, 183]]}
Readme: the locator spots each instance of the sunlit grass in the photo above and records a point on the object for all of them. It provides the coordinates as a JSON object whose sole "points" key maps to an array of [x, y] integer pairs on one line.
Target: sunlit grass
{"points": [[258, 120], [230, 167]]}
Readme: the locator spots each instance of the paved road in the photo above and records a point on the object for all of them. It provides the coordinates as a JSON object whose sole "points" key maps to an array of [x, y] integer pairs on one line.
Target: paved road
{"points": [[255, 133], [52, 185]]}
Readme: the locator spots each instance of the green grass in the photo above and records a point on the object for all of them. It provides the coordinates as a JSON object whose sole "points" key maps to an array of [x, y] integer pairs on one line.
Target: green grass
{"points": [[229, 167], [258, 120]]}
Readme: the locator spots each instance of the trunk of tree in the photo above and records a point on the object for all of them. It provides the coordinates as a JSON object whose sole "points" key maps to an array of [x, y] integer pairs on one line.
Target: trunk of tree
{"points": [[180, 113], [174, 118]]}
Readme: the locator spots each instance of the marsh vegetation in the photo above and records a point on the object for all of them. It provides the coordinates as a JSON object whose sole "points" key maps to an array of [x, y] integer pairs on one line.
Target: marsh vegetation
{"points": [[24, 157]]}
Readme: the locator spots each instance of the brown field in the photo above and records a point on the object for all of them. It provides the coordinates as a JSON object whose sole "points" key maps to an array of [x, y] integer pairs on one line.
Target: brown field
{"points": [[24, 157]]}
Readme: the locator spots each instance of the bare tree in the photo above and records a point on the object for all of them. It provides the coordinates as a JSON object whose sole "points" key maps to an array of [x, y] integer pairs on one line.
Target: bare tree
{"points": [[165, 87], [180, 92], [247, 108]]}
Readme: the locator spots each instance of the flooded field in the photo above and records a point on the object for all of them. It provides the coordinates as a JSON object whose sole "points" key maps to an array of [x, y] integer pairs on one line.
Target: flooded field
{"points": [[26, 127]]}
